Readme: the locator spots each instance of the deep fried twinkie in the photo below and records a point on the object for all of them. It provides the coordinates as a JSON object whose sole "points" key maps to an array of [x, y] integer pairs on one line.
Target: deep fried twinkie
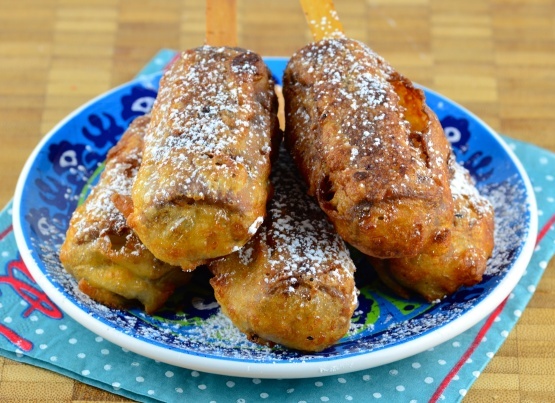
{"points": [[293, 282], [202, 188], [109, 261], [437, 276], [371, 151]]}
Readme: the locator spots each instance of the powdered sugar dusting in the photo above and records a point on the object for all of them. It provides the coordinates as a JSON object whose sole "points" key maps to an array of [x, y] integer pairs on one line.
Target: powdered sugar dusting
{"points": [[509, 203], [463, 186], [301, 241], [361, 130], [98, 217], [210, 124]]}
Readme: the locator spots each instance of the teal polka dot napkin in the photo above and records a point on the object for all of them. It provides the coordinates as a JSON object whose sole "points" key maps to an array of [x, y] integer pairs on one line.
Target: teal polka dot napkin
{"points": [[35, 331]]}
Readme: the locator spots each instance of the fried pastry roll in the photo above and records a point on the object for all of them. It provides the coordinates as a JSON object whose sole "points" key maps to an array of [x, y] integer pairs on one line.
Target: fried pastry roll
{"points": [[371, 151], [202, 188], [293, 282], [109, 261], [436, 276]]}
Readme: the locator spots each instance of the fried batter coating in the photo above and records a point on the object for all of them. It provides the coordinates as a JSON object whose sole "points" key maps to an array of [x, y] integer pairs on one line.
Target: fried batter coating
{"points": [[293, 282], [374, 155], [436, 276], [109, 261], [202, 188]]}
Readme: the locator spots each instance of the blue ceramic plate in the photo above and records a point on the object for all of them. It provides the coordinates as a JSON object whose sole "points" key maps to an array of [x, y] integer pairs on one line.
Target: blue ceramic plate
{"points": [[191, 332]]}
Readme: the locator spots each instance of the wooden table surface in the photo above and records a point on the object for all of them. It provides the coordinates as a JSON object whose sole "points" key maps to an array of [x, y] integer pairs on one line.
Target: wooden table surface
{"points": [[495, 57]]}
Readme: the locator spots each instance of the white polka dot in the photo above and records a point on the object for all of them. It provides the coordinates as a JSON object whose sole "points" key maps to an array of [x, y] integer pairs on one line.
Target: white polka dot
{"points": [[43, 346], [476, 374], [400, 388], [324, 399], [107, 367], [34, 318], [53, 358], [7, 319], [124, 350], [195, 374], [291, 390], [489, 354], [264, 395], [550, 199], [428, 380], [19, 353], [341, 380], [462, 392], [441, 362], [116, 385], [179, 390], [104, 351], [504, 333], [169, 374], [85, 372], [497, 319], [348, 397], [201, 386], [377, 395], [140, 379], [549, 178], [135, 364], [416, 365], [517, 313], [72, 341], [366, 377], [543, 264], [456, 344], [230, 384], [319, 384], [456, 377], [531, 288], [543, 160], [256, 381], [5, 253], [484, 339], [98, 339], [469, 361], [151, 392], [540, 213], [81, 355], [393, 372]]}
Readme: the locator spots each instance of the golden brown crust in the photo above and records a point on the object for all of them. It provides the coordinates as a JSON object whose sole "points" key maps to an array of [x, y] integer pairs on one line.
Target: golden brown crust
{"points": [[436, 276], [111, 264], [292, 283], [371, 151], [203, 185]]}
